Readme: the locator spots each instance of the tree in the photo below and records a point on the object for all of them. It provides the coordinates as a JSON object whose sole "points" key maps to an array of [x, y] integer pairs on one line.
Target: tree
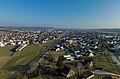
{"points": [[80, 68], [18, 75], [60, 63], [89, 63], [50, 58]]}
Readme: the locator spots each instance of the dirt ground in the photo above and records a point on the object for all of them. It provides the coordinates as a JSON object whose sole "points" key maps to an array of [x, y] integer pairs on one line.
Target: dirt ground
{"points": [[5, 32]]}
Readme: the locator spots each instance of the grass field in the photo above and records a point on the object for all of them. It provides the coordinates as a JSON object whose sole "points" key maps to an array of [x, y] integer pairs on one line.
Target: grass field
{"points": [[5, 55], [7, 29], [56, 54], [5, 51], [105, 61], [96, 76], [19, 58]]}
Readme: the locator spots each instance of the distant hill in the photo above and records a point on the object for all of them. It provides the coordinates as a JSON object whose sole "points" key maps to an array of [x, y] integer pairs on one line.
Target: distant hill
{"points": [[105, 30], [11, 28], [24, 28]]}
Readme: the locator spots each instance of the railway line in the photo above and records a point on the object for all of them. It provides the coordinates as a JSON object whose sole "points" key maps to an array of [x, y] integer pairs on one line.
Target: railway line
{"points": [[27, 67]]}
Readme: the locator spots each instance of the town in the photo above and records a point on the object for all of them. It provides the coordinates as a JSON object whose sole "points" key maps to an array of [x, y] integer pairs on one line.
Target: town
{"points": [[59, 39], [59, 54]]}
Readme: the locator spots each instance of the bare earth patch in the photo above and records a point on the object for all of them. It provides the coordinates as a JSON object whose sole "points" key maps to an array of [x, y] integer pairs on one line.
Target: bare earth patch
{"points": [[5, 32]]}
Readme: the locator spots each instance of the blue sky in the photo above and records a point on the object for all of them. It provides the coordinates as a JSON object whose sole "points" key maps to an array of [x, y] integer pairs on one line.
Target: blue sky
{"points": [[61, 13]]}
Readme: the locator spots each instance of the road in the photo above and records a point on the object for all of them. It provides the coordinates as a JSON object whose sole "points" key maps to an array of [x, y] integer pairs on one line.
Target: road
{"points": [[110, 53], [104, 73], [114, 58]]}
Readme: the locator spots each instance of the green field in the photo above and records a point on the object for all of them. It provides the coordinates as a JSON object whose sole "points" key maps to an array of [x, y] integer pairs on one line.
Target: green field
{"points": [[96, 76], [5, 51], [19, 59], [56, 54], [105, 61], [7, 29]]}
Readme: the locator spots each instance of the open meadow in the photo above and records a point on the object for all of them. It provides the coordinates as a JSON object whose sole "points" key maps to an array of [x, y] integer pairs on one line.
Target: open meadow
{"points": [[10, 64]]}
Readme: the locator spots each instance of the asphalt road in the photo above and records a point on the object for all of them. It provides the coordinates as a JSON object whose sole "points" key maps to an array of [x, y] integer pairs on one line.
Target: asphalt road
{"points": [[114, 58], [104, 73], [110, 53]]}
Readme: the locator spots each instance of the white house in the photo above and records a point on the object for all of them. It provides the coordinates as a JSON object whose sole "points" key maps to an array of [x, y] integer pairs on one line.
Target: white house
{"points": [[57, 49], [1, 44], [91, 54], [68, 57], [21, 47]]}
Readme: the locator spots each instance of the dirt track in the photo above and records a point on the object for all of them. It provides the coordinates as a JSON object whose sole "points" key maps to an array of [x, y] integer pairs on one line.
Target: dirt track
{"points": [[5, 32]]}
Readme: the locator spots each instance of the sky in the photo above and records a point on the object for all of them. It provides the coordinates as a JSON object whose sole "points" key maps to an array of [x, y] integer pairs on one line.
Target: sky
{"points": [[61, 13]]}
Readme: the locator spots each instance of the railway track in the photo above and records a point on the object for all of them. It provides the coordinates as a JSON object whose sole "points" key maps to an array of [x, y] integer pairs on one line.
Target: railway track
{"points": [[36, 59], [27, 67]]}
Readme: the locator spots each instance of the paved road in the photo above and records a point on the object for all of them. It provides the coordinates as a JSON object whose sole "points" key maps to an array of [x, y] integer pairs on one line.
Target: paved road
{"points": [[114, 58], [105, 73], [110, 53]]}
